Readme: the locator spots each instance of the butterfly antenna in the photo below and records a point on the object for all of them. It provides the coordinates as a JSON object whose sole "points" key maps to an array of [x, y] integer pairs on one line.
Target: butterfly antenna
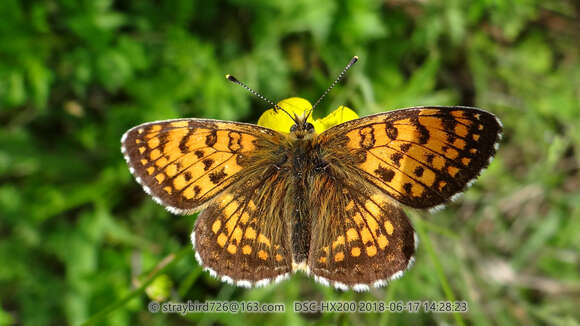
{"points": [[258, 95], [339, 78], [307, 115]]}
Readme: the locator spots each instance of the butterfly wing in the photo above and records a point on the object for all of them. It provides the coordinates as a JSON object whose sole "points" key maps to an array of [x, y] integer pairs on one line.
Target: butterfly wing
{"points": [[184, 163], [361, 237], [419, 156], [229, 168], [242, 236]]}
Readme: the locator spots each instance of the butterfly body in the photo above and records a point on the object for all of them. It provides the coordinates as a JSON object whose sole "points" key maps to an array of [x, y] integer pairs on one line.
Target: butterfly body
{"points": [[329, 204]]}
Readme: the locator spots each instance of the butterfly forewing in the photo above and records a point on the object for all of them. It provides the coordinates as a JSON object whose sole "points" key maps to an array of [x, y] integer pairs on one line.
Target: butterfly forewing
{"points": [[419, 156], [186, 162]]}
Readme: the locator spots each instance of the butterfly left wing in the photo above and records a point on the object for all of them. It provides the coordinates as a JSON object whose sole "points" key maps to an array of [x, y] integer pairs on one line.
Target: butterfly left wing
{"points": [[419, 156], [184, 163], [242, 237], [229, 168]]}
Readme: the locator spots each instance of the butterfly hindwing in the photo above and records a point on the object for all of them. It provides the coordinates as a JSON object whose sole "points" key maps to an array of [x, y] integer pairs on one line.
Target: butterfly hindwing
{"points": [[241, 237], [419, 156], [364, 240], [184, 163]]}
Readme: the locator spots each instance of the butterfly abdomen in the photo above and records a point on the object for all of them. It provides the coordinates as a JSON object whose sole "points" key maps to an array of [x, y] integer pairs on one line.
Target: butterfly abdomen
{"points": [[303, 163]]}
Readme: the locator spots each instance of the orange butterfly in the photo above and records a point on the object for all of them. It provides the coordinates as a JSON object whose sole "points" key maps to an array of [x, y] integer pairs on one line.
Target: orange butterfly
{"points": [[328, 204]]}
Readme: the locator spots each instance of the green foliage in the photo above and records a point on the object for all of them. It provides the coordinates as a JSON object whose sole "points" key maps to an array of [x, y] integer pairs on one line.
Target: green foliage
{"points": [[80, 239]]}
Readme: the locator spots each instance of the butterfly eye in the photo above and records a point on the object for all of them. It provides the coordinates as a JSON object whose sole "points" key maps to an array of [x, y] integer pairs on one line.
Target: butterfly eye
{"points": [[309, 127], [293, 128]]}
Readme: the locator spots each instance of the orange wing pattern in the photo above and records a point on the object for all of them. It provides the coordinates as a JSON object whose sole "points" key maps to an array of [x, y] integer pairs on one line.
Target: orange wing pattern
{"points": [[363, 240], [184, 163], [419, 156], [242, 236]]}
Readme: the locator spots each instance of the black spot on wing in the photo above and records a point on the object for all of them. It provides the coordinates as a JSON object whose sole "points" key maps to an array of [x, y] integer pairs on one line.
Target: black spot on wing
{"points": [[449, 124], [391, 130], [211, 139], [396, 158], [183, 142], [207, 163], [367, 135], [234, 144], [423, 132], [405, 147], [419, 171], [385, 174], [217, 176]]}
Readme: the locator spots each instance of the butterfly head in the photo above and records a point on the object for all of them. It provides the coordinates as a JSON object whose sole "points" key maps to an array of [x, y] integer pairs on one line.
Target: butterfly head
{"points": [[302, 129]]}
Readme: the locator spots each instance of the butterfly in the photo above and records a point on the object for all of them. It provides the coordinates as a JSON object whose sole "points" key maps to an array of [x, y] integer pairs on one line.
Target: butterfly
{"points": [[331, 204]]}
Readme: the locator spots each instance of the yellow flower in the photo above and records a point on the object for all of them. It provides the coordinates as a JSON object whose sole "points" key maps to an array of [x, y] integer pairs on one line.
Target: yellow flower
{"points": [[281, 122]]}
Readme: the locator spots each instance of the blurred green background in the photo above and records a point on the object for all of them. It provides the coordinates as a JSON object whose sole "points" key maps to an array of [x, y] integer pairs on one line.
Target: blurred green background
{"points": [[79, 237]]}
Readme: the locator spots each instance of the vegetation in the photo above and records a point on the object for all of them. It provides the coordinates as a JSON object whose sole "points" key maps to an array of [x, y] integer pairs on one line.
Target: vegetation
{"points": [[79, 239]]}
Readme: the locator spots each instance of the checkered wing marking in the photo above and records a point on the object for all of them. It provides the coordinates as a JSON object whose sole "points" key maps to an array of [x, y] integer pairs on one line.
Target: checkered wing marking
{"points": [[184, 163], [242, 237], [419, 156], [365, 240]]}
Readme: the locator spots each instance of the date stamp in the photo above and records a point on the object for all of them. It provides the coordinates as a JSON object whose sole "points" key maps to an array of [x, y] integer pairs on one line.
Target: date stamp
{"points": [[309, 306], [381, 306]]}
